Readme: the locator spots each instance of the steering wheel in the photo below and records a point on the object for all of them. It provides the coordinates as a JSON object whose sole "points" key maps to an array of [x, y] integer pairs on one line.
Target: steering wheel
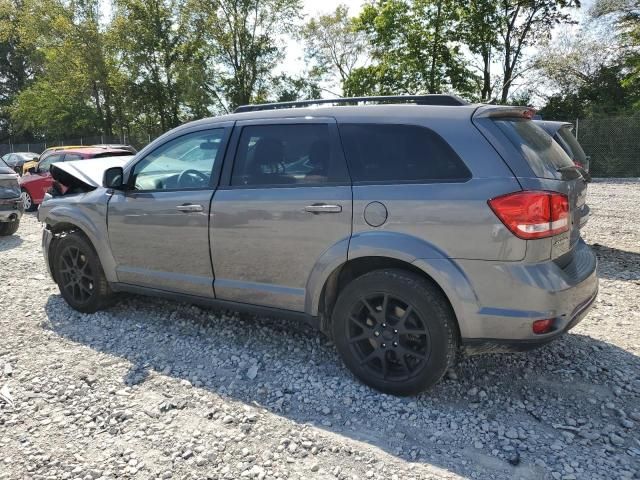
{"points": [[191, 174]]}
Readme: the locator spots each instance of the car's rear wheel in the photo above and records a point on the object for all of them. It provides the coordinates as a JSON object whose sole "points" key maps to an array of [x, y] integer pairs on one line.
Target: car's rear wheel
{"points": [[9, 228], [395, 331], [27, 201], [79, 274]]}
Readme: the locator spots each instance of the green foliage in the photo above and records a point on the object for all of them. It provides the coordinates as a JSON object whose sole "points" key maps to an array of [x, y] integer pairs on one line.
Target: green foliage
{"points": [[333, 45], [602, 94], [244, 36], [415, 48]]}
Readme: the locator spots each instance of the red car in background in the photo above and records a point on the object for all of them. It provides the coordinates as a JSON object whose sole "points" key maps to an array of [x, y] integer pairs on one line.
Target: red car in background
{"points": [[38, 180]]}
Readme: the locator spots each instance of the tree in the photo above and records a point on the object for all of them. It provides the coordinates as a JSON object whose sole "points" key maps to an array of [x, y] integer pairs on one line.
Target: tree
{"points": [[162, 55], [626, 18], [74, 69], [290, 89], [414, 47], [524, 23], [19, 65], [244, 39], [479, 18], [333, 45]]}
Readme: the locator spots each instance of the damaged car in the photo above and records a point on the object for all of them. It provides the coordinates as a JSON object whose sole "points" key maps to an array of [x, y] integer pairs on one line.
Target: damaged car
{"points": [[11, 207], [404, 228]]}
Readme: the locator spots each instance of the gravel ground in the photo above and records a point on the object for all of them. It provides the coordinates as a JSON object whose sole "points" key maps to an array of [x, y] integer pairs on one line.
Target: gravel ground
{"points": [[155, 389]]}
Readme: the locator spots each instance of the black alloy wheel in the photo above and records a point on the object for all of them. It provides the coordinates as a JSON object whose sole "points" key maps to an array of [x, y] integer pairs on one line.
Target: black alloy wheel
{"points": [[388, 337], [76, 276], [395, 330]]}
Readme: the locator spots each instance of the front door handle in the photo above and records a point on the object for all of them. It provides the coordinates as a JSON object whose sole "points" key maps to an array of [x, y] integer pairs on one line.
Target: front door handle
{"points": [[323, 208], [190, 207]]}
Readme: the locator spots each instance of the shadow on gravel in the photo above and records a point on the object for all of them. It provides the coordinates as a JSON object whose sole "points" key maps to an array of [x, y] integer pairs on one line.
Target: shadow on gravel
{"points": [[501, 415], [615, 264], [11, 242]]}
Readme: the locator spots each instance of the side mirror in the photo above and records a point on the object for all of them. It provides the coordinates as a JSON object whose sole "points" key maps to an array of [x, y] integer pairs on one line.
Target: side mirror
{"points": [[113, 178]]}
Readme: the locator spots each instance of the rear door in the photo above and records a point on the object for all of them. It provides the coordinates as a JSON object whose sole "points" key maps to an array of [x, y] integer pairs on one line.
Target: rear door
{"points": [[283, 204], [540, 163]]}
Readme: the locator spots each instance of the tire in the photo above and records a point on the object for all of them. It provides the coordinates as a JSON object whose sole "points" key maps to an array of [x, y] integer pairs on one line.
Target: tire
{"points": [[407, 351], [79, 274], [27, 200], [9, 228]]}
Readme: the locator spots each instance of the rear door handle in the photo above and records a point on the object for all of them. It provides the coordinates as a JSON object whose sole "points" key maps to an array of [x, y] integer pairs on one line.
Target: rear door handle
{"points": [[323, 208], [190, 207]]}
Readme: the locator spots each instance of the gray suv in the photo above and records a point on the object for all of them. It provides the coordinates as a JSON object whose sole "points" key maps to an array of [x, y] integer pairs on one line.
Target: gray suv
{"points": [[405, 228]]}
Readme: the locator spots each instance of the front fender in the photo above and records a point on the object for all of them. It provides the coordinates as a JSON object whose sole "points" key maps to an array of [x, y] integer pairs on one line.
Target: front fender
{"points": [[88, 213]]}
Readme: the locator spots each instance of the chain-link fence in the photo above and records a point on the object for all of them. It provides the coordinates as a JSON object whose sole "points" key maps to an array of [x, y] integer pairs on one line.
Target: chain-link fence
{"points": [[613, 143], [137, 141]]}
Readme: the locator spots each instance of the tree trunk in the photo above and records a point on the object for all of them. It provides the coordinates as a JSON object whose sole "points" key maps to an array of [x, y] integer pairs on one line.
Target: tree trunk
{"points": [[435, 49], [486, 75]]}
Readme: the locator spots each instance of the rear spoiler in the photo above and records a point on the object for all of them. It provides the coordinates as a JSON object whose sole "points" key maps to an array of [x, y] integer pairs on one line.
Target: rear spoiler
{"points": [[501, 111]]}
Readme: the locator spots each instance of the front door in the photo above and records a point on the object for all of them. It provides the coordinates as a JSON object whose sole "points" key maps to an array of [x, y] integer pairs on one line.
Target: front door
{"points": [[286, 200], [159, 227]]}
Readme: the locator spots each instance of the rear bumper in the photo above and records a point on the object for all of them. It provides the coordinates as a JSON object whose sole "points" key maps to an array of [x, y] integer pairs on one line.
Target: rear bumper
{"points": [[11, 209], [511, 296], [474, 346]]}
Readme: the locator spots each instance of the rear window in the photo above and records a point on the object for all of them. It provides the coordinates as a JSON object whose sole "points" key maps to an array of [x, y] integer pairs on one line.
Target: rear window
{"points": [[399, 153], [542, 152], [572, 143]]}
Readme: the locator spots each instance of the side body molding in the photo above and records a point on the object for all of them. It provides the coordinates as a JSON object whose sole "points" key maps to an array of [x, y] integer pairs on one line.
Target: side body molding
{"points": [[406, 248]]}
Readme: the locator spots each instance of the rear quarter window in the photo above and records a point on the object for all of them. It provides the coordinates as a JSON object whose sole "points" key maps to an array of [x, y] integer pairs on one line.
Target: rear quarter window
{"points": [[399, 153], [540, 150]]}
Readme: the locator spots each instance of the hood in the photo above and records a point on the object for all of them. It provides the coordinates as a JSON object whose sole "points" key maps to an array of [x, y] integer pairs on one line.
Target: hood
{"points": [[85, 174]]}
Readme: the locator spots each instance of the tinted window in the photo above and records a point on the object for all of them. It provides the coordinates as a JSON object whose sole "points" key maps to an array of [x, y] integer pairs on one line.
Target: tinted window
{"points": [[183, 163], [575, 150], [399, 153], [70, 157], [541, 151], [285, 155]]}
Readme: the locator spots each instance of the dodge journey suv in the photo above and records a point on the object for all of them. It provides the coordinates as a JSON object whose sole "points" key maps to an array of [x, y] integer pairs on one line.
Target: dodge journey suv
{"points": [[405, 228]]}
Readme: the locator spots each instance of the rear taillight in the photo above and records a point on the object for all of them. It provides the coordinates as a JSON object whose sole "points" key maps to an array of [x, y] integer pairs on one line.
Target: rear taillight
{"points": [[533, 214]]}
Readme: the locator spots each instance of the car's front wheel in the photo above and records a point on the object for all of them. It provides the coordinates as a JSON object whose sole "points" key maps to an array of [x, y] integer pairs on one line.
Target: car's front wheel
{"points": [[395, 331], [27, 201], [79, 274]]}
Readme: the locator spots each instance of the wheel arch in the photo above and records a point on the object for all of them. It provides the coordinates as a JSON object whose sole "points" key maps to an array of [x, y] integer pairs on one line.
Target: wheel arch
{"points": [[62, 220], [380, 250]]}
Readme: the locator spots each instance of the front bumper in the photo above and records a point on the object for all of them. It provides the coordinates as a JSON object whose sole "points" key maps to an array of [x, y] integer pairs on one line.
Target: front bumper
{"points": [[47, 238], [11, 209]]}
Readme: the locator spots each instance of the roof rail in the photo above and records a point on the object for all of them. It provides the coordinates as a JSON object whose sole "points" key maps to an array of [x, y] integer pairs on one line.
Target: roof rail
{"points": [[434, 99]]}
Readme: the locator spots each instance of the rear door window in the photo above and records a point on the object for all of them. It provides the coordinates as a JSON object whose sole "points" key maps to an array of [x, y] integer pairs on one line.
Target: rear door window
{"points": [[540, 150], [381, 153]]}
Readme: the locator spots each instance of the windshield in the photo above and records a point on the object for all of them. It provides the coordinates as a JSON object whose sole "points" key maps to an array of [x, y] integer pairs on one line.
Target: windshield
{"points": [[542, 152]]}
